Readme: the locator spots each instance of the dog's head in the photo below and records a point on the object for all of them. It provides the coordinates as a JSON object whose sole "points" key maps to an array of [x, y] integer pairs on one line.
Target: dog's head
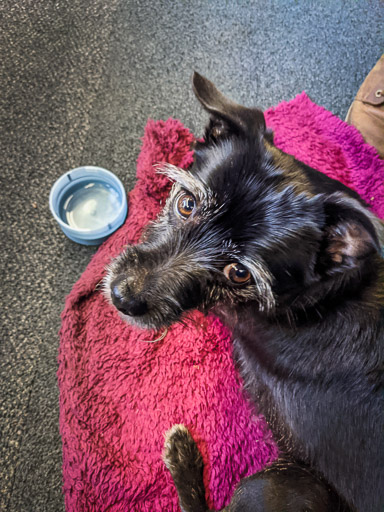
{"points": [[246, 226]]}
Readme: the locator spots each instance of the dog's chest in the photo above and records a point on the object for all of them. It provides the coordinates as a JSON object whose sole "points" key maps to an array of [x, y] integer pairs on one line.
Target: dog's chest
{"points": [[270, 394], [288, 382]]}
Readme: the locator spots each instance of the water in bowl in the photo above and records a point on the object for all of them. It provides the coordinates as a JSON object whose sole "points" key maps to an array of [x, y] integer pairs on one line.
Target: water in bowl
{"points": [[90, 205]]}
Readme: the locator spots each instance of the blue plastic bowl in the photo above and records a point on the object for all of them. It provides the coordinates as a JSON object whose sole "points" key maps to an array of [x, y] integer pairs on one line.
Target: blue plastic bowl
{"points": [[89, 204]]}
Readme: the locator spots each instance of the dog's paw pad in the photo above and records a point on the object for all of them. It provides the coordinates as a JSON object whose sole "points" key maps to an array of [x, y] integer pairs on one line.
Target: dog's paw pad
{"points": [[180, 450]]}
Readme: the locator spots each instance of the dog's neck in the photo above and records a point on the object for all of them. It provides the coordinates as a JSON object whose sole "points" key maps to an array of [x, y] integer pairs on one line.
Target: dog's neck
{"points": [[338, 334]]}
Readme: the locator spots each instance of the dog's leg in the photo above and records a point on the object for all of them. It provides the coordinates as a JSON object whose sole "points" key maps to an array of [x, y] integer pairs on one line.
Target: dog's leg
{"points": [[184, 461], [285, 486]]}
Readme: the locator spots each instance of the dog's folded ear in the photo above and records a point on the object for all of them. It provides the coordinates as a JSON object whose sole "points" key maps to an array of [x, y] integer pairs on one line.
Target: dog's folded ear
{"points": [[351, 235], [227, 117]]}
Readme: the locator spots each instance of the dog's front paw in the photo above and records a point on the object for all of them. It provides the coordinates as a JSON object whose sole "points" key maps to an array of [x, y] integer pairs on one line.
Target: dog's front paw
{"points": [[180, 450], [185, 463]]}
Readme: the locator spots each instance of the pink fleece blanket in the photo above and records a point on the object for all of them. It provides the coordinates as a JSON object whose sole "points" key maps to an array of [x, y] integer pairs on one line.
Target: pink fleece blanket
{"points": [[119, 394]]}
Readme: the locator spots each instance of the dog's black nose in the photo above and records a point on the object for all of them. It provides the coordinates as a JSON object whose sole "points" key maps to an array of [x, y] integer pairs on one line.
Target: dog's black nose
{"points": [[132, 307], [126, 302]]}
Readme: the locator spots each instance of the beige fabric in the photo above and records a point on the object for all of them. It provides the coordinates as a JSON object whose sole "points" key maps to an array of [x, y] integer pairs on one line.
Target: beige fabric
{"points": [[367, 109]]}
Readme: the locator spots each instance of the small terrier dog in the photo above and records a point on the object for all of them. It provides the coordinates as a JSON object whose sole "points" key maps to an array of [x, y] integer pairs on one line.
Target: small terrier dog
{"points": [[291, 261]]}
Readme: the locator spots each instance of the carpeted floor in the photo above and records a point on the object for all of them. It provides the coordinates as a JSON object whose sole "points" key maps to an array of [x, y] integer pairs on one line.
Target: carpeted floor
{"points": [[79, 80]]}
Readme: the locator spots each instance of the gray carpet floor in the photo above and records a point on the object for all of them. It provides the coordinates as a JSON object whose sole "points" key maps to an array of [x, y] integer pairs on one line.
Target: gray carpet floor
{"points": [[79, 79]]}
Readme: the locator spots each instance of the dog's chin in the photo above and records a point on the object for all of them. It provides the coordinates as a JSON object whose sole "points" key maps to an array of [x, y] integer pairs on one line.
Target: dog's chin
{"points": [[147, 322]]}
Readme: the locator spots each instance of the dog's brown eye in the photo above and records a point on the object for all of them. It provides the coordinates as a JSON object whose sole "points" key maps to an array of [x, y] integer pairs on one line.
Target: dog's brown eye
{"points": [[237, 273], [185, 205]]}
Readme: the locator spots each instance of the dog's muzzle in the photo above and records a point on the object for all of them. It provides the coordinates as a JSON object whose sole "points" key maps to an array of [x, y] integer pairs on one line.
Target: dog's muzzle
{"points": [[153, 288]]}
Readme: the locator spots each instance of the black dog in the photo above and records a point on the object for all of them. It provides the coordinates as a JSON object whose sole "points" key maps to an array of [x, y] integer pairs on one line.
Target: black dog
{"points": [[291, 261]]}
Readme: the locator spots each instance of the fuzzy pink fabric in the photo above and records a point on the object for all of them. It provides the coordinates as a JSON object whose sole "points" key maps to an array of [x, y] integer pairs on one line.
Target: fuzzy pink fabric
{"points": [[119, 394]]}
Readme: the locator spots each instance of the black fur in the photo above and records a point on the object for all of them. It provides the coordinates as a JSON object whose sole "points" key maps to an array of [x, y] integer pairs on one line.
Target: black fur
{"points": [[307, 326]]}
